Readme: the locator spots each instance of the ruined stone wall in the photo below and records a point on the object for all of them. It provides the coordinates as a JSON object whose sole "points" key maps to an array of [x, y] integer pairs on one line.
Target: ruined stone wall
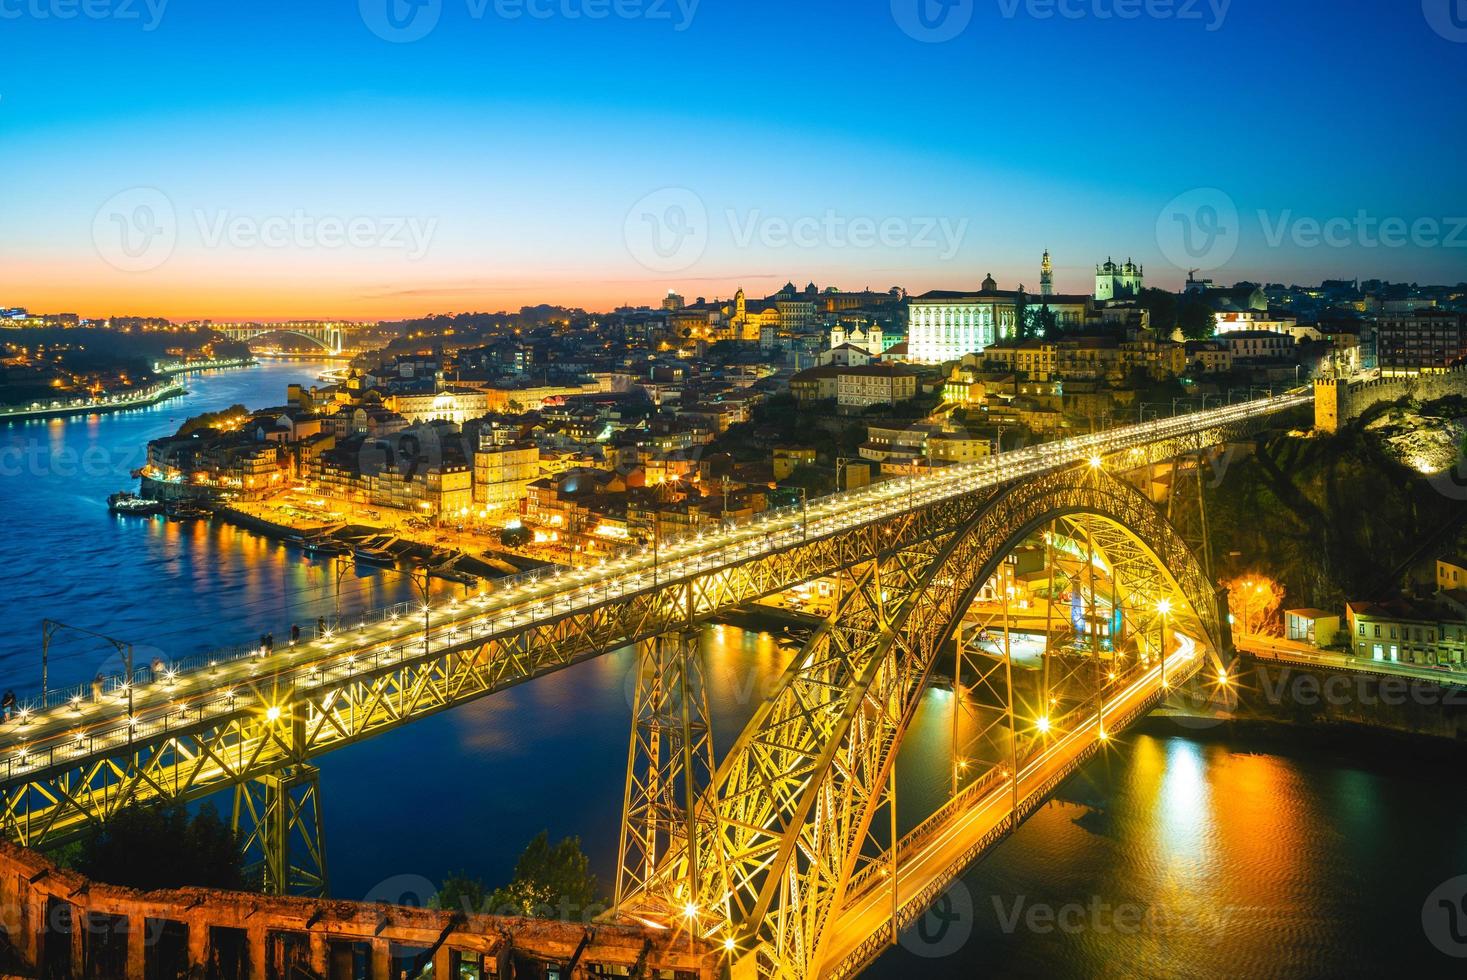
{"points": [[57, 923]]}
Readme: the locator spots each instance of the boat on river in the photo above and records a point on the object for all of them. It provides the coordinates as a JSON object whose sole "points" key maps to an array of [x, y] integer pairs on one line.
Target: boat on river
{"points": [[131, 505], [376, 551]]}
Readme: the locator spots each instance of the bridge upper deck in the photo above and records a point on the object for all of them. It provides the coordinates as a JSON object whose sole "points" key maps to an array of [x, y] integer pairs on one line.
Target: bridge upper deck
{"points": [[79, 735]]}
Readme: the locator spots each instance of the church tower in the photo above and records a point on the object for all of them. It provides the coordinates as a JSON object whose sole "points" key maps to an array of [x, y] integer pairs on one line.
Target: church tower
{"points": [[1046, 276]]}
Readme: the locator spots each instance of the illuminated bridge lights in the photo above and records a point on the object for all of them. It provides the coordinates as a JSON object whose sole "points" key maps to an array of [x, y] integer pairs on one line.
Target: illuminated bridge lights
{"points": [[544, 623]]}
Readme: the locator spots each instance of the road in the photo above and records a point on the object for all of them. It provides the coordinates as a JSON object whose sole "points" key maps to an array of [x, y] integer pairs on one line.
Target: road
{"points": [[1291, 652], [73, 727]]}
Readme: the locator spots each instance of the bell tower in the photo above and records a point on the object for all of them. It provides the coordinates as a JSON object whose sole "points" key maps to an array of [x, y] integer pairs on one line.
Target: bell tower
{"points": [[1046, 276]]}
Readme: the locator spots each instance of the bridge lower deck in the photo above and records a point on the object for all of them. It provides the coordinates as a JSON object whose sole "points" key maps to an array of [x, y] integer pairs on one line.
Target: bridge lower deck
{"points": [[934, 855]]}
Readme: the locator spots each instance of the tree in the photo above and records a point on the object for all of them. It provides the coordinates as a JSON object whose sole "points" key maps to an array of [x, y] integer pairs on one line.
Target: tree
{"points": [[815, 481], [547, 879], [1254, 601], [460, 893], [516, 537], [1195, 319], [1041, 322], [1162, 306], [151, 847]]}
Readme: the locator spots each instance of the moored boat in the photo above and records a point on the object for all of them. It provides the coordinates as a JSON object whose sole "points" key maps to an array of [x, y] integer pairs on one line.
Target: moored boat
{"points": [[131, 505]]}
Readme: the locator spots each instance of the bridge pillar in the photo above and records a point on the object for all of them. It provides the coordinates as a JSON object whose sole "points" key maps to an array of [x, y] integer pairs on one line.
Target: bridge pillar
{"points": [[279, 818], [669, 765]]}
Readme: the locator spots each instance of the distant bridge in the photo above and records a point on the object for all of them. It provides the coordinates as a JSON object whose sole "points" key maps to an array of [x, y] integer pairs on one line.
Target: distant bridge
{"points": [[329, 336], [785, 853]]}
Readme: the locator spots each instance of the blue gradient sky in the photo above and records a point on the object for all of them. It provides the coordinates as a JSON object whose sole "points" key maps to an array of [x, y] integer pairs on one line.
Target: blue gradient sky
{"points": [[525, 143]]}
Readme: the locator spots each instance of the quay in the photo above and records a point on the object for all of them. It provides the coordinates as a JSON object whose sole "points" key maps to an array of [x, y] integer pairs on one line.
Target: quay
{"points": [[143, 398], [188, 367]]}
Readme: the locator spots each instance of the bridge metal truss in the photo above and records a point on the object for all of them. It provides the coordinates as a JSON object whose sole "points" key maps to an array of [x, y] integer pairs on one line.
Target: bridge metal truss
{"points": [[789, 817], [278, 820], [277, 720], [850, 693]]}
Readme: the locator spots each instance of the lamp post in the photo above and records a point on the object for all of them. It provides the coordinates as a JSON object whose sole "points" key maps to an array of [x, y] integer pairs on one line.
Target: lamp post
{"points": [[50, 627], [1165, 608]]}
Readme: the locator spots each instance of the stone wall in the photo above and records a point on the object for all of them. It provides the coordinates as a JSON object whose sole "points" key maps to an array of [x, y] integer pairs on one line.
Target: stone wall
{"points": [[1320, 697], [1337, 402], [58, 924]]}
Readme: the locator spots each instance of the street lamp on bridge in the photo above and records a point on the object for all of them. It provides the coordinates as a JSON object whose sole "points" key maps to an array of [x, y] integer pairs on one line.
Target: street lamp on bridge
{"points": [[49, 629], [1165, 608]]}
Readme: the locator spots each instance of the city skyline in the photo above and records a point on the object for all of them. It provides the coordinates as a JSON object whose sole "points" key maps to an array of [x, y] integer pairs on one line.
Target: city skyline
{"points": [[344, 168]]}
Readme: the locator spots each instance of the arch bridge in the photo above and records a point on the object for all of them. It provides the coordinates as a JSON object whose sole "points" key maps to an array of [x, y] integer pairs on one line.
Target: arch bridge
{"points": [[785, 853], [331, 337]]}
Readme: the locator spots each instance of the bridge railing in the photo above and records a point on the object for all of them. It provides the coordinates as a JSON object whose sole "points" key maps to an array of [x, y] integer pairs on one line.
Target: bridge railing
{"points": [[114, 683]]}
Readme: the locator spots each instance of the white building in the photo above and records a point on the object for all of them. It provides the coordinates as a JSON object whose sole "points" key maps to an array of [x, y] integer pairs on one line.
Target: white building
{"points": [[946, 326]]}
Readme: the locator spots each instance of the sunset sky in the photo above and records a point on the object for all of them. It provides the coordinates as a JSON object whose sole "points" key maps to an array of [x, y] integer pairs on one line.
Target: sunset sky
{"points": [[260, 161]]}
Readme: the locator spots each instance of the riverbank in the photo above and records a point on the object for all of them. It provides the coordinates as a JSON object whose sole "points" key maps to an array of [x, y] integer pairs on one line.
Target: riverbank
{"points": [[189, 367], [419, 556], [1327, 703], [145, 398]]}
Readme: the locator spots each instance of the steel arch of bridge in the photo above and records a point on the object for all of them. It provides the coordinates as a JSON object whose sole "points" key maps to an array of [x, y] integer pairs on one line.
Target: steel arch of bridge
{"points": [[331, 340], [781, 830]]}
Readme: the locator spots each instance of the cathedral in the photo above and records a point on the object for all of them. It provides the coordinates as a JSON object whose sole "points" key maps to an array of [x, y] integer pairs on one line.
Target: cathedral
{"points": [[1113, 282]]}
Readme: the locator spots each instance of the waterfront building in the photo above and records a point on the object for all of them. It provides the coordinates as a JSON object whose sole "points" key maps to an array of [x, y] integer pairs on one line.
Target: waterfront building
{"points": [[502, 474], [1426, 632], [421, 470], [1317, 627]]}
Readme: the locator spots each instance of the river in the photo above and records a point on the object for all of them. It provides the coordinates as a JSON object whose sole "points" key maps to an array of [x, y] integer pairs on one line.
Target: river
{"points": [[1177, 854]]}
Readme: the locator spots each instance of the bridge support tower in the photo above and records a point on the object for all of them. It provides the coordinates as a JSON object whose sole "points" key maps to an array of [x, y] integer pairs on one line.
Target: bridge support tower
{"points": [[278, 819], [669, 766]]}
